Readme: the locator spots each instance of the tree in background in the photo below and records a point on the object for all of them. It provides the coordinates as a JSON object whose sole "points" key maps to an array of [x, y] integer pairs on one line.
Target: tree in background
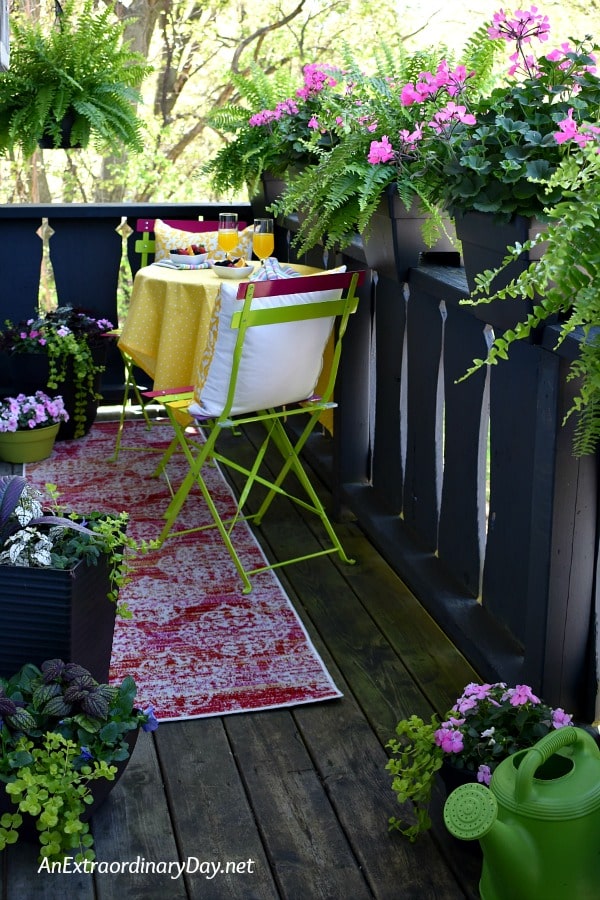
{"points": [[193, 47]]}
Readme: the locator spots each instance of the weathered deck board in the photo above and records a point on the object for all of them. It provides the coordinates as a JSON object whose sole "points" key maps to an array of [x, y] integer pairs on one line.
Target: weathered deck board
{"points": [[302, 793]]}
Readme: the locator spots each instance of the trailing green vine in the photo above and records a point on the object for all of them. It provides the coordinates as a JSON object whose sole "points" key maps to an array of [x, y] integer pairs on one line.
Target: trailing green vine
{"points": [[563, 284]]}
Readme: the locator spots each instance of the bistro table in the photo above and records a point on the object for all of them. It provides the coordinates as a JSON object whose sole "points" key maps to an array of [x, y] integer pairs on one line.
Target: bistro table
{"points": [[167, 325]]}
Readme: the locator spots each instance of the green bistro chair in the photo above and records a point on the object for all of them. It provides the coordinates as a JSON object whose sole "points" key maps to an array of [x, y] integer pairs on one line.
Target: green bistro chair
{"points": [[263, 368]]}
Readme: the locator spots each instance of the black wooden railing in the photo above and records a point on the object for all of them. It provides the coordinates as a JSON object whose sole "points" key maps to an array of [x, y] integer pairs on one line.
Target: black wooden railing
{"points": [[468, 488]]}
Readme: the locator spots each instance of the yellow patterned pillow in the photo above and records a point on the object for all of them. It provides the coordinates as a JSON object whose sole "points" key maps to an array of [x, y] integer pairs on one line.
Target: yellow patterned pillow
{"points": [[168, 238]]}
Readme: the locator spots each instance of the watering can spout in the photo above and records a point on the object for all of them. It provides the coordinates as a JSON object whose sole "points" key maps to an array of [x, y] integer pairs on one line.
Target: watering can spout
{"points": [[470, 814]]}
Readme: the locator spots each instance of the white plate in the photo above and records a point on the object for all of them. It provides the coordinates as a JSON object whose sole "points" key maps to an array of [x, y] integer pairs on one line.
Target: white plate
{"points": [[233, 273]]}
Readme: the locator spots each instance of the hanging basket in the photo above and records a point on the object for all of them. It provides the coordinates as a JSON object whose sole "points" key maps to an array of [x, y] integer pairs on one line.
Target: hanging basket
{"points": [[29, 445]]}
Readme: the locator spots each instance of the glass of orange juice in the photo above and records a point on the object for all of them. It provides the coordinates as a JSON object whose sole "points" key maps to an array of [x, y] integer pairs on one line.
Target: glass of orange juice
{"points": [[263, 240], [228, 232]]}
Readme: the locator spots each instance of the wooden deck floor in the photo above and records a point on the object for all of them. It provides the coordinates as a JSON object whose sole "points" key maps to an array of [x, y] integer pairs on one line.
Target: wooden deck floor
{"points": [[290, 803]]}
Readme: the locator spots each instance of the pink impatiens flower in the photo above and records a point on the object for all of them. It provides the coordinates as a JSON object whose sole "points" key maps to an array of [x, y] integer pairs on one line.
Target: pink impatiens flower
{"points": [[484, 774], [520, 695], [560, 718], [449, 740]]}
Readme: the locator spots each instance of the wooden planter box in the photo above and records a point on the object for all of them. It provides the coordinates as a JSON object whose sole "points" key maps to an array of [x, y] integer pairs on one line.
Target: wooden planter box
{"points": [[55, 613]]}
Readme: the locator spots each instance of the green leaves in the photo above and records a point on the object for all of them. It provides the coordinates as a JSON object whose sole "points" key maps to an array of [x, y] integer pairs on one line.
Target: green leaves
{"points": [[563, 284], [83, 67], [416, 758]]}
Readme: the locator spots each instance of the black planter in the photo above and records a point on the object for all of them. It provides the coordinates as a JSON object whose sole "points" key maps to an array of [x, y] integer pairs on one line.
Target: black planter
{"points": [[272, 188], [48, 142], [394, 242], [55, 613], [29, 373], [484, 246]]}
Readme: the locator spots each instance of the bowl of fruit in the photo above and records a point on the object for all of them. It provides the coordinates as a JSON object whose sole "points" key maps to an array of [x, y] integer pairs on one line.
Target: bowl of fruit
{"points": [[189, 256], [232, 268]]}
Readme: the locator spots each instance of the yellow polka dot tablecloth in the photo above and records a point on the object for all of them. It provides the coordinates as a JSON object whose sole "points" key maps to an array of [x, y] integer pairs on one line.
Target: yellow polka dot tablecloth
{"points": [[166, 328]]}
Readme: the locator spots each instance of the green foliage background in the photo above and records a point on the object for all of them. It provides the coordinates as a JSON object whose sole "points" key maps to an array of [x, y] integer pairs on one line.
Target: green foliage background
{"points": [[196, 47]]}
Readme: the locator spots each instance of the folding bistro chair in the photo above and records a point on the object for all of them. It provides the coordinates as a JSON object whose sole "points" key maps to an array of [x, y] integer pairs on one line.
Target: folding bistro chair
{"points": [[263, 367], [145, 245]]}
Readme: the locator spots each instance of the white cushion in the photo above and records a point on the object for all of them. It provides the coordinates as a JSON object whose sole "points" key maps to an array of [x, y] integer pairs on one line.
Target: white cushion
{"points": [[280, 363], [167, 238]]}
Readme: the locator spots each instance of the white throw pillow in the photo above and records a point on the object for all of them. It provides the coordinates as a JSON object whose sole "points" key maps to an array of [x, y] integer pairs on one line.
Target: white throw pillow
{"points": [[280, 363]]}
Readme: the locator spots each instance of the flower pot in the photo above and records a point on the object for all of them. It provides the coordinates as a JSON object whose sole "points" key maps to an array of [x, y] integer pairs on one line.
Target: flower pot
{"points": [[29, 445], [484, 246], [29, 373], [56, 613], [272, 189], [100, 789], [394, 242], [47, 141], [452, 777]]}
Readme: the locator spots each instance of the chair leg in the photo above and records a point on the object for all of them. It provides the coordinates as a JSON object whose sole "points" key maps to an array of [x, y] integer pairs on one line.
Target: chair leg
{"points": [[290, 453], [130, 387], [198, 455], [194, 476]]}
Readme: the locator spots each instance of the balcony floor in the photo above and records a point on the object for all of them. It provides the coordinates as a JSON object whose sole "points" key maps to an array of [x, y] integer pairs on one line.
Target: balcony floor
{"points": [[295, 800]]}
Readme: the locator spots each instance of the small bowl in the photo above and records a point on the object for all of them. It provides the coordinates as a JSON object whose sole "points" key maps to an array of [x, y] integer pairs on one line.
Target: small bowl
{"points": [[233, 273], [183, 259]]}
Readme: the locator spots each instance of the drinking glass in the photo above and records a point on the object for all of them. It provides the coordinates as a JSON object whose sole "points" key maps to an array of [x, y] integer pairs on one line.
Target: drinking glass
{"points": [[263, 241], [228, 232]]}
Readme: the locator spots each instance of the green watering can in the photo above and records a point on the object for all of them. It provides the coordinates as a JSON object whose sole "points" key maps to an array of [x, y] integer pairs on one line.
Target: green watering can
{"points": [[539, 821]]}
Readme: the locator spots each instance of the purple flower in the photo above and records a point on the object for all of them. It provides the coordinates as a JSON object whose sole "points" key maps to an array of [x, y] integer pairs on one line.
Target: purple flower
{"points": [[484, 774], [152, 722], [521, 694], [560, 718], [449, 740]]}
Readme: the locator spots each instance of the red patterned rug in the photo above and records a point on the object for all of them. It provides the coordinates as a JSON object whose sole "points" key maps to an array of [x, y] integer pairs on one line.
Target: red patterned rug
{"points": [[196, 646]]}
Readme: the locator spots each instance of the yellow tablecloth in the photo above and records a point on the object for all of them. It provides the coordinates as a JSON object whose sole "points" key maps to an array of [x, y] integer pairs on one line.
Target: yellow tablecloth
{"points": [[166, 328]]}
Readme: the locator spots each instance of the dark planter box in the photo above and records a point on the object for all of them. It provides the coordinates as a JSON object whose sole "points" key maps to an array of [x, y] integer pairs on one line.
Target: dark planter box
{"points": [[484, 246], [394, 241], [55, 613]]}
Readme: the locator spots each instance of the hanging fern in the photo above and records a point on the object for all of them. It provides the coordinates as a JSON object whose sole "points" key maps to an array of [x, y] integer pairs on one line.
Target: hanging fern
{"points": [[79, 66]]}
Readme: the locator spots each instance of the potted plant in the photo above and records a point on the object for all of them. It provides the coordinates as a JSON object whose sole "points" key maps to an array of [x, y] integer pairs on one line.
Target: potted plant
{"points": [[76, 72], [29, 425], [269, 126], [497, 161], [60, 577], [487, 723], [564, 281], [64, 349], [64, 740], [357, 168]]}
